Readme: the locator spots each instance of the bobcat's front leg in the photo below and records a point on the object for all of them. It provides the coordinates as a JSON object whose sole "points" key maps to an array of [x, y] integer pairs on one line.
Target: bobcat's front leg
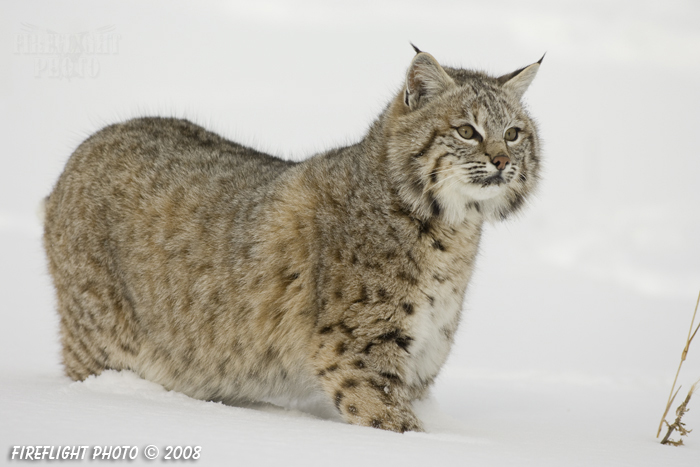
{"points": [[362, 373]]}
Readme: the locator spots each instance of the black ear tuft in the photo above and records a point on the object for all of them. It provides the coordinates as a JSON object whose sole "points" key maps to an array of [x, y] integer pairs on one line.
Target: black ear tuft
{"points": [[419, 50], [520, 79]]}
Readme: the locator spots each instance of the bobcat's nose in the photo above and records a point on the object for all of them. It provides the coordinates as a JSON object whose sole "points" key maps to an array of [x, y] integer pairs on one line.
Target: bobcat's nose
{"points": [[500, 161]]}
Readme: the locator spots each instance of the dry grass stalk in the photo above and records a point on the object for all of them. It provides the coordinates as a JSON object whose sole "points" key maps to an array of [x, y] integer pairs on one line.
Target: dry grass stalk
{"points": [[672, 396], [678, 425]]}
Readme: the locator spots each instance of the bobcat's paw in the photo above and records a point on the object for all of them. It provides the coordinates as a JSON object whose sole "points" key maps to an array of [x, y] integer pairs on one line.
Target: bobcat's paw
{"points": [[395, 419]]}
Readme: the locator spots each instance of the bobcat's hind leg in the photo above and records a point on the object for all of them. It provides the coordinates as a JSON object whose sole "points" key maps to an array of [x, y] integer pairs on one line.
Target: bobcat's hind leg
{"points": [[98, 326]]}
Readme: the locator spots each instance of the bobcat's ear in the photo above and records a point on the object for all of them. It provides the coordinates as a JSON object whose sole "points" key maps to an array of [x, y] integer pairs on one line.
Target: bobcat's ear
{"points": [[425, 79], [520, 80]]}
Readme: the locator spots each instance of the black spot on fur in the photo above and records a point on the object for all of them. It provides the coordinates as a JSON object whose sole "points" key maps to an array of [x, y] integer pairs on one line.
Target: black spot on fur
{"points": [[352, 409], [338, 294], [376, 423], [270, 355], [404, 342], [431, 300], [379, 386], [389, 336], [359, 364], [287, 279], [332, 368], [437, 244], [381, 293], [384, 319], [128, 348], [407, 277], [367, 348], [340, 348], [325, 330], [394, 379], [338, 399], [344, 328], [424, 228], [363, 295], [321, 373], [393, 335], [474, 205], [438, 278], [408, 308], [401, 208], [349, 383], [435, 207], [447, 333], [353, 260]]}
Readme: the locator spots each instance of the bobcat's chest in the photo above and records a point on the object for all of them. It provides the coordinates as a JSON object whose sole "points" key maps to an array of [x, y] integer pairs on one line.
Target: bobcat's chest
{"points": [[445, 272]]}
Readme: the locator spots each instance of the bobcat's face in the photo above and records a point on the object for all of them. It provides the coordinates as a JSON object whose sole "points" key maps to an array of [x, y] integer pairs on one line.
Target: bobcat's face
{"points": [[487, 153], [464, 142]]}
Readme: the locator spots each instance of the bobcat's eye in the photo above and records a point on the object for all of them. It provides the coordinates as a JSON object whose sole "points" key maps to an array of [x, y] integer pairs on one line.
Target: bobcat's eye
{"points": [[468, 132], [512, 134]]}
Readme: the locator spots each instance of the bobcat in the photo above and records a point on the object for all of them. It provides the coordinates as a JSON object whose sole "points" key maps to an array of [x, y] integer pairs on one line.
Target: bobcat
{"points": [[232, 275]]}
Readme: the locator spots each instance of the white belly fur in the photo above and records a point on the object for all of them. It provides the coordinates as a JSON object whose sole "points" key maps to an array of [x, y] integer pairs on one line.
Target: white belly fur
{"points": [[430, 330], [433, 325]]}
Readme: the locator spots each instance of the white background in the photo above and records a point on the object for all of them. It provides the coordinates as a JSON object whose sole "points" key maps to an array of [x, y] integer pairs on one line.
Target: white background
{"points": [[577, 314]]}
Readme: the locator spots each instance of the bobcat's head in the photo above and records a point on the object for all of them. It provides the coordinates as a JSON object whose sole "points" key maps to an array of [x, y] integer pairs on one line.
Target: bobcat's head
{"points": [[460, 140]]}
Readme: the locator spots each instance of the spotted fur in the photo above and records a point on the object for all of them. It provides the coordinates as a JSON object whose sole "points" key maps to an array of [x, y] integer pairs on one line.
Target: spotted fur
{"points": [[231, 275]]}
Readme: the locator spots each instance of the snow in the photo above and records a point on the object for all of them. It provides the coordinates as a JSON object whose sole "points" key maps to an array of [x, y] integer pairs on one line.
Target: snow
{"points": [[571, 365]]}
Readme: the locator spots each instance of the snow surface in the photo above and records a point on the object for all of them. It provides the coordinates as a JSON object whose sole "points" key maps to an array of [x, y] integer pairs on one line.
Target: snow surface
{"points": [[577, 314]]}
